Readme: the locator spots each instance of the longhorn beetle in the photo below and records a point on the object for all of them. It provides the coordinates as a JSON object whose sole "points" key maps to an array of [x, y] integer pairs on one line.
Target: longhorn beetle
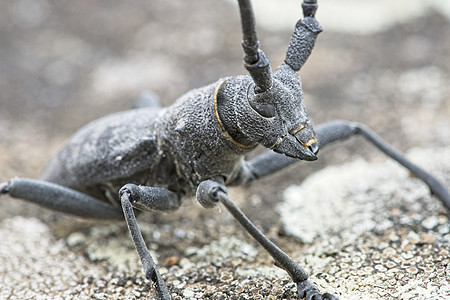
{"points": [[150, 158]]}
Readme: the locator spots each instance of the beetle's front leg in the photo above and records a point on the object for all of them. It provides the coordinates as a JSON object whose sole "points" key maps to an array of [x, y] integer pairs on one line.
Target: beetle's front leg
{"points": [[147, 198], [210, 193]]}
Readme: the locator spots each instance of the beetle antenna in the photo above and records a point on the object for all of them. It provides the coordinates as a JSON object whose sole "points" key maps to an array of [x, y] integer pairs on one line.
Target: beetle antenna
{"points": [[309, 8], [304, 36], [255, 60]]}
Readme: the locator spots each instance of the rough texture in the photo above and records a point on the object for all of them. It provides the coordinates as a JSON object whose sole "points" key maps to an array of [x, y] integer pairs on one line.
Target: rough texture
{"points": [[304, 29], [375, 233], [391, 242], [65, 63]]}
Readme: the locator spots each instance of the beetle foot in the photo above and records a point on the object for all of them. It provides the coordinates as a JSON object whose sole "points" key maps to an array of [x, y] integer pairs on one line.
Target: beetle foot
{"points": [[307, 290], [153, 275]]}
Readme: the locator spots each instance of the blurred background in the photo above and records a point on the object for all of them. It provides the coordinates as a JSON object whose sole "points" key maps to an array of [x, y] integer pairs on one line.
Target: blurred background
{"points": [[65, 63]]}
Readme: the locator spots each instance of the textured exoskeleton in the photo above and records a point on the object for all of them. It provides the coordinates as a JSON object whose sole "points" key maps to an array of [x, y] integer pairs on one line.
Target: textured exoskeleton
{"points": [[193, 140], [149, 158]]}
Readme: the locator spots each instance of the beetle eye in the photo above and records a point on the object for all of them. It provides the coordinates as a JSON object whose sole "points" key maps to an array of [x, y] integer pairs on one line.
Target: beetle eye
{"points": [[262, 102]]}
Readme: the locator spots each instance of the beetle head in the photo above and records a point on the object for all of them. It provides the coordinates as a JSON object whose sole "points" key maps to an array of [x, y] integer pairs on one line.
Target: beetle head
{"points": [[288, 128], [275, 118], [280, 121]]}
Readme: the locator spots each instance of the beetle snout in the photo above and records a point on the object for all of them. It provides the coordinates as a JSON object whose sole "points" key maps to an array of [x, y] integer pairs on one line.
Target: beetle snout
{"points": [[301, 142], [305, 135]]}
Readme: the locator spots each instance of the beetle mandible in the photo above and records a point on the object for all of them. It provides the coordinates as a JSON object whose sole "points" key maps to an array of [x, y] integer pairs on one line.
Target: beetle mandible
{"points": [[149, 158]]}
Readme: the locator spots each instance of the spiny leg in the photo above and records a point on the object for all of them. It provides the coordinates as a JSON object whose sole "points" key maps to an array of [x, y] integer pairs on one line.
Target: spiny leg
{"points": [[147, 198], [210, 193]]}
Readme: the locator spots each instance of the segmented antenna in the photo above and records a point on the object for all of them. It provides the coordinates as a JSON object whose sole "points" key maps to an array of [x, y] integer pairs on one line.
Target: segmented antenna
{"points": [[255, 60], [309, 8], [304, 36]]}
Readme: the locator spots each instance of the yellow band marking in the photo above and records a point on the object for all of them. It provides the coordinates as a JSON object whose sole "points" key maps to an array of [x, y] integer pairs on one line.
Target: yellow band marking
{"points": [[216, 113], [310, 142]]}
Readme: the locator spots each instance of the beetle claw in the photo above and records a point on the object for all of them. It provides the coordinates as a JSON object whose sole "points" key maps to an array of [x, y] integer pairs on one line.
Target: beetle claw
{"points": [[308, 291], [153, 275]]}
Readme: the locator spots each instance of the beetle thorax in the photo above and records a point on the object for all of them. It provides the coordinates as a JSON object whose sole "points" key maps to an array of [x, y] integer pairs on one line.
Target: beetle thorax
{"points": [[191, 135]]}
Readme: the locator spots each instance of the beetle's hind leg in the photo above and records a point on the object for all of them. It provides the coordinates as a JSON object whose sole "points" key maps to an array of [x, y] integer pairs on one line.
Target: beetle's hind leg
{"points": [[147, 198], [60, 198]]}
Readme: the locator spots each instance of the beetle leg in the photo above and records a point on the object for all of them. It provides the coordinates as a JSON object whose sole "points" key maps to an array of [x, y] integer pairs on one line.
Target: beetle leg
{"points": [[338, 130], [210, 193], [307, 290], [151, 198], [148, 264], [60, 198]]}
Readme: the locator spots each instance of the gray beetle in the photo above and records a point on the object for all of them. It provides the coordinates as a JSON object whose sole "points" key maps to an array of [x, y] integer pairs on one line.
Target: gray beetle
{"points": [[150, 158]]}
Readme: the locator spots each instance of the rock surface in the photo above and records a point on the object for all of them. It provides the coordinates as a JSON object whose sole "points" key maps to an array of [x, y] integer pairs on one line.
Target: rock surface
{"points": [[375, 232]]}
